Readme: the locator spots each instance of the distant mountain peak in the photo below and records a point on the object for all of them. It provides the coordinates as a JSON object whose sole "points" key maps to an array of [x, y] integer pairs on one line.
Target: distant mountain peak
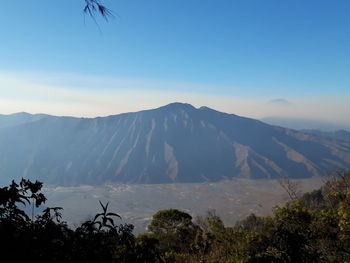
{"points": [[177, 105], [205, 108], [22, 113]]}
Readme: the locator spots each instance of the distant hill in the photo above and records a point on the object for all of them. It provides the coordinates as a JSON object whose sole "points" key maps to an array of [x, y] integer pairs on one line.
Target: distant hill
{"points": [[19, 118], [301, 124], [174, 143], [337, 135]]}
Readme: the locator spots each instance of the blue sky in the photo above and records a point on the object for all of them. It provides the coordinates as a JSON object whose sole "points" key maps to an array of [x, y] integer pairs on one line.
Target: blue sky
{"points": [[234, 55]]}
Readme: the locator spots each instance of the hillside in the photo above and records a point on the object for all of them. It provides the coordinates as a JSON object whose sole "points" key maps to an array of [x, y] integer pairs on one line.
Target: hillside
{"points": [[338, 135], [174, 143]]}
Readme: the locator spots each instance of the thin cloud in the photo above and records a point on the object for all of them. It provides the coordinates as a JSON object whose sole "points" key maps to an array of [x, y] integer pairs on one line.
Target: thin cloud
{"points": [[68, 97], [280, 101]]}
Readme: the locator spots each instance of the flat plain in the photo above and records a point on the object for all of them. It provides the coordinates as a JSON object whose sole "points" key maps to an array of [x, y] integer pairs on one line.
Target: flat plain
{"points": [[232, 200]]}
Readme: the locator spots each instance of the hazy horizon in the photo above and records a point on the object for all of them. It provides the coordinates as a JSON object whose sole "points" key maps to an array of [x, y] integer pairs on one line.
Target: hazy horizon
{"points": [[280, 120], [260, 59]]}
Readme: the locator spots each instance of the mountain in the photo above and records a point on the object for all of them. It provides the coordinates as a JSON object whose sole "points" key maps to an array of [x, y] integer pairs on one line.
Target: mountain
{"points": [[337, 135], [19, 118], [173, 143], [301, 124]]}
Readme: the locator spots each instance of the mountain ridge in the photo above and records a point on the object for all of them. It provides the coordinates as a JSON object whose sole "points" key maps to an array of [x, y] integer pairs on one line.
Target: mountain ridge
{"points": [[337, 134], [173, 143]]}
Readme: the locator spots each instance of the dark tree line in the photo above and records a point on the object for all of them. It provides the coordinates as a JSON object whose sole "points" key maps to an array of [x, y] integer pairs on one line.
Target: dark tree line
{"points": [[46, 238], [312, 228]]}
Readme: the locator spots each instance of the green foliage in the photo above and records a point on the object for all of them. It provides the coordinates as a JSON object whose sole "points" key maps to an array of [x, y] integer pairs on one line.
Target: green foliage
{"points": [[253, 223], [146, 246], [46, 238], [175, 231], [315, 228], [15, 194], [103, 220], [314, 200], [169, 221]]}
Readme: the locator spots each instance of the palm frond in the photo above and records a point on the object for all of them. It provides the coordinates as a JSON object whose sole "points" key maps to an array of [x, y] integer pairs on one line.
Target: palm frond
{"points": [[93, 6], [113, 214], [110, 220], [97, 216]]}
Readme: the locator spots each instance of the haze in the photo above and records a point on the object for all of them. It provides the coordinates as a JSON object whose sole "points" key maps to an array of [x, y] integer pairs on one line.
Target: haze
{"points": [[257, 59]]}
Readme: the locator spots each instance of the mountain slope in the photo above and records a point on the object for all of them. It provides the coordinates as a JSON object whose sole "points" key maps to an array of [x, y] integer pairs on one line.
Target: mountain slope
{"points": [[337, 135], [174, 143], [19, 118]]}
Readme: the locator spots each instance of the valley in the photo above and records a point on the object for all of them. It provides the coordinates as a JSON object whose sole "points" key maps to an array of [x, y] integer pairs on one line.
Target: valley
{"points": [[136, 203]]}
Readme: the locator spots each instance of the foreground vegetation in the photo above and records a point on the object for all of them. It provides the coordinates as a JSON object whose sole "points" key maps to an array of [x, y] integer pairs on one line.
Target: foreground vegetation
{"points": [[312, 228]]}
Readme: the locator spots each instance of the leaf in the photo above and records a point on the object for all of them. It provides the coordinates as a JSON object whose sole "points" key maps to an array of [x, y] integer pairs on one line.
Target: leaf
{"points": [[104, 208], [110, 220], [113, 214], [92, 6], [97, 216]]}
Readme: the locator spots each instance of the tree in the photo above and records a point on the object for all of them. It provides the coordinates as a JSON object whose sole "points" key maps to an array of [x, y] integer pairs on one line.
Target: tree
{"points": [[169, 221], [291, 188], [214, 242], [25, 192], [146, 248], [176, 234]]}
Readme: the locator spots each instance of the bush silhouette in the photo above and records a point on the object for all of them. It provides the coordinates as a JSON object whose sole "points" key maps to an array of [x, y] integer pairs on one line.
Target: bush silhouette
{"points": [[46, 238], [314, 228]]}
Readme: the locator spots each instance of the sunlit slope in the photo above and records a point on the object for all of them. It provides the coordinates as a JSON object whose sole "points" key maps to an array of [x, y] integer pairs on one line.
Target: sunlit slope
{"points": [[174, 143]]}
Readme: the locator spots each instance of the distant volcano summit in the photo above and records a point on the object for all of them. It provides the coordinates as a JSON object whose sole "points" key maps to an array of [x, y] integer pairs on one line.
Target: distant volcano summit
{"points": [[174, 143]]}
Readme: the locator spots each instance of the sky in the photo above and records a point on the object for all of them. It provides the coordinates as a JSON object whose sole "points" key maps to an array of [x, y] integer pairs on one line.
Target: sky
{"points": [[256, 58]]}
